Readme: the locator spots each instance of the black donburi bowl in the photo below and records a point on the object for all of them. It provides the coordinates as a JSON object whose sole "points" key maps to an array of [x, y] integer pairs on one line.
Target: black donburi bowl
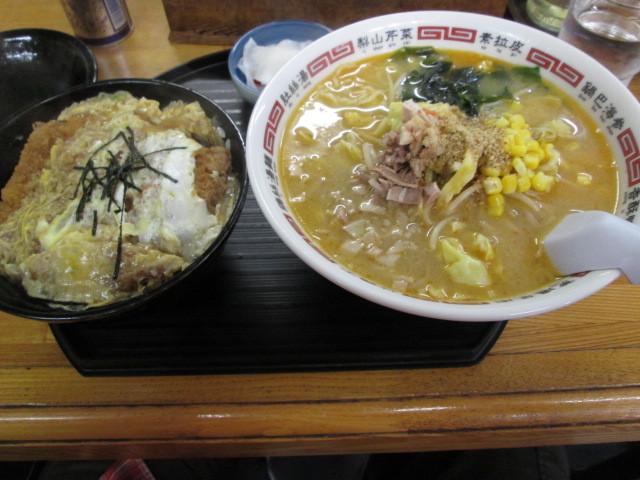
{"points": [[13, 135], [37, 63]]}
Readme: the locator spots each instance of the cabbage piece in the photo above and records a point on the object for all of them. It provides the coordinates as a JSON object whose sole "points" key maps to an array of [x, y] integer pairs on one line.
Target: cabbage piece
{"points": [[352, 150], [395, 115], [483, 245], [460, 266], [464, 175]]}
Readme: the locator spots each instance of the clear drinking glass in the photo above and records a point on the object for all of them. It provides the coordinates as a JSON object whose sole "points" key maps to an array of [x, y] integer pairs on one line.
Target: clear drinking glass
{"points": [[609, 31], [547, 14]]}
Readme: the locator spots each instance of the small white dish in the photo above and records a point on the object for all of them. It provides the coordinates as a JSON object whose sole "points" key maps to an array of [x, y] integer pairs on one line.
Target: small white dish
{"points": [[269, 34]]}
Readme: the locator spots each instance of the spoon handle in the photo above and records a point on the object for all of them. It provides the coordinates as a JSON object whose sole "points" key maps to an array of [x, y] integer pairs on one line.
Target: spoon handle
{"points": [[595, 240]]}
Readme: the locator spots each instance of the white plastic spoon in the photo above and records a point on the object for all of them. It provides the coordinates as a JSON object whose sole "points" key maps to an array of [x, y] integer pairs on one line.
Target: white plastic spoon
{"points": [[595, 240]]}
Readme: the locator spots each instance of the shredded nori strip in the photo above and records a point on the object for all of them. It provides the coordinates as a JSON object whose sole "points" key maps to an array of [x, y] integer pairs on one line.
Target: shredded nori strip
{"points": [[94, 227], [119, 170]]}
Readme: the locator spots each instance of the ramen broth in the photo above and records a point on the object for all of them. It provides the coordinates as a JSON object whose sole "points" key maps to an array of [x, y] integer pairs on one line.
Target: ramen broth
{"points": [[397, 245]]}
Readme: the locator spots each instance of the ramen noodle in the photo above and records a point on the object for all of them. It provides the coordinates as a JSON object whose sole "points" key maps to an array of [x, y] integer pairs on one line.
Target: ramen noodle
{"points": [[438, 174]]}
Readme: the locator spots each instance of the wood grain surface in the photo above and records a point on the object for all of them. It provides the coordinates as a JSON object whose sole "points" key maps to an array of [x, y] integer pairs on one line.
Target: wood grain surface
{"points": [[566, 377], [200, 21]]}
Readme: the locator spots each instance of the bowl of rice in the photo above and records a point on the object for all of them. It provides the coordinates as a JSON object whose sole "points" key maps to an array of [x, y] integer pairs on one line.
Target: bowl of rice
{"points": [[113, 193]]}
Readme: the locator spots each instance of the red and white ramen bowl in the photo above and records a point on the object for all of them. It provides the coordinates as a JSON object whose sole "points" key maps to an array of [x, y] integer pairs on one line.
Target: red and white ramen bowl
{"points": [[612, 106]]}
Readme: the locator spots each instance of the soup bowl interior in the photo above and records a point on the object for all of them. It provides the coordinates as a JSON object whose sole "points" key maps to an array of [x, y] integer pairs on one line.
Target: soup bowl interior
{"points": [[13, 135], [613, 108]]}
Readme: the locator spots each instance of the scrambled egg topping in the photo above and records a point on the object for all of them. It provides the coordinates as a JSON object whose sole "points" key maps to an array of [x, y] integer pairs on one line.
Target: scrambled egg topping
{"points": [[108, 200]]}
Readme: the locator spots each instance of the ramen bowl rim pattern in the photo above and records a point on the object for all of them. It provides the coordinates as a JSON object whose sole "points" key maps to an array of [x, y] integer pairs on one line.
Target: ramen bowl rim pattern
{"points": [[584, 79]]}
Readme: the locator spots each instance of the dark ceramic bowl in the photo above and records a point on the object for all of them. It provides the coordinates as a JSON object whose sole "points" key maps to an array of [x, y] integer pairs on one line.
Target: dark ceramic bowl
{"points": [[36, 64], [13, 135]]}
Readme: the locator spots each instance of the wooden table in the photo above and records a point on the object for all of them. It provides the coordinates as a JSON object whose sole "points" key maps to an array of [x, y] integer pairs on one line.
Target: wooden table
{"points": [[567, 377]]}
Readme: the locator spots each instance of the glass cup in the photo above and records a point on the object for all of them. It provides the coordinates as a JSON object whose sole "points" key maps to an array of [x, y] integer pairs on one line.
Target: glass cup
{"points": [[609, 31], [547, 14]]}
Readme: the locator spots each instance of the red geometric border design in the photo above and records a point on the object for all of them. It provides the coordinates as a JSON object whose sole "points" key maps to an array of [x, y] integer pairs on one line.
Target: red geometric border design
{"points": [[631, 153], [272, 126], [458, 34], [566, 72], [327, 58]]}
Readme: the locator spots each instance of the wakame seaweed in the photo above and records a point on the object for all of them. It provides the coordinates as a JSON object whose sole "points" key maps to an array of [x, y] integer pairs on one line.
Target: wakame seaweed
{"points": [[435, 80]]}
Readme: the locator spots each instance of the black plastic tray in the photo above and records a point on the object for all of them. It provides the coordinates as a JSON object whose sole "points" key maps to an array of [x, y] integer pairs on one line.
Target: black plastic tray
{"points": [[262, 309]]}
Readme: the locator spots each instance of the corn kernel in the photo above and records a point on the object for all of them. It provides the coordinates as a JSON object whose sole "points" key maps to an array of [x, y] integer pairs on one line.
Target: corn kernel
{"points": [[495, 199], [541, 182], [533, 145], [495, 211], [550, 167], [550, 153], [495, 204], [519, 166], [491, 171], [524, 183], [507, 140], [523, 137], [538, 151], [502, 122], [517, 120], [531, 160], [517, 150], [584, 179], [492, 185], [509, 183]]}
